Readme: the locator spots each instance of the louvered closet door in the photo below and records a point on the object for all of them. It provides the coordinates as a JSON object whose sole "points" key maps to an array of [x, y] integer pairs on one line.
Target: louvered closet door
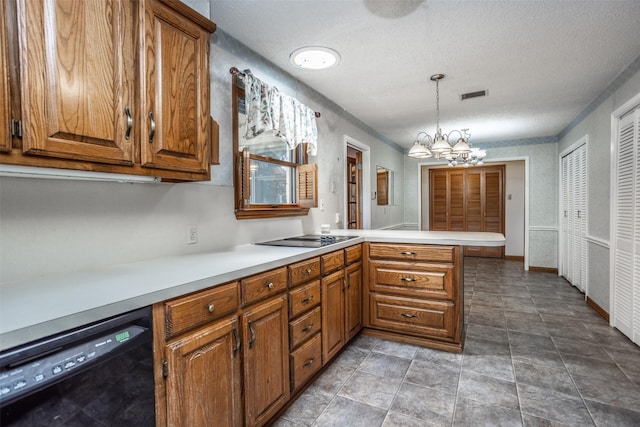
{"points": [[580, 228], [565, 215], [574, 227], [626, 266], [468, 200]]}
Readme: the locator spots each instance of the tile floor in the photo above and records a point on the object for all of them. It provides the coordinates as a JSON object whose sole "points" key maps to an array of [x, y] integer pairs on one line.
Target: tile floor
{"points": [[535, 355]]}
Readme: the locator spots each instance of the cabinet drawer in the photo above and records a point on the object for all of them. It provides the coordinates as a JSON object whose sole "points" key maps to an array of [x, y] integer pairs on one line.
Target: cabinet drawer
{"points": [[193, 310], [304, 327], [332, 261], [353, 254], [304, 271], [306, 361], [433, 319], [303, 298], [419, 280], [261, 286], [411, 252]]}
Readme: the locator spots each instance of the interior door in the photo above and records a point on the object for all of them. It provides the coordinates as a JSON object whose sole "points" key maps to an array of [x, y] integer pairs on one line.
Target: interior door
{"points": [[354, 188]]}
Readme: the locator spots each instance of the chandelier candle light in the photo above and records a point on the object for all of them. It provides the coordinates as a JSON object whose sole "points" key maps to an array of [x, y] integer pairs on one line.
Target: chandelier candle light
{"points": [[440, 147]]}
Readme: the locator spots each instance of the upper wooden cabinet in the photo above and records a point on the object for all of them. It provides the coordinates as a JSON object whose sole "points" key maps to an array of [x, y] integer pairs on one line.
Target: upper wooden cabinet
{"points": [[5, 103], [77, 77], [114, 86], [175, 93]]}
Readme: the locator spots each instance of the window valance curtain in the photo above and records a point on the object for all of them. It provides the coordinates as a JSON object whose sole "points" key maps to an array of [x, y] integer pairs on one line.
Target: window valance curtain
{"points": [[269, 110]]}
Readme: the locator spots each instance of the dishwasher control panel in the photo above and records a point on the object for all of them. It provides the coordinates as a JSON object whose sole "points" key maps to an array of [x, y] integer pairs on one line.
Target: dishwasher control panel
{"points": [[32, 375]]}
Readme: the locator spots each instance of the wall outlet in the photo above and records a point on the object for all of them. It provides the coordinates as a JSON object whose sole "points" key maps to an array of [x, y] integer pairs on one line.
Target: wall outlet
{"points": [[192, 234], [321, 204]]}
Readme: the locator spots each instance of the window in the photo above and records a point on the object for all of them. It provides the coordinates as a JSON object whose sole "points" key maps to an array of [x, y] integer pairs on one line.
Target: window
{"points": [[270, 179]]}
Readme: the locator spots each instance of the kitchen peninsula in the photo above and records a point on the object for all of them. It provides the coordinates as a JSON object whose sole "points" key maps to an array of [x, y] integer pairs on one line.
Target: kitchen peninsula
{"points": [[225, 311]]}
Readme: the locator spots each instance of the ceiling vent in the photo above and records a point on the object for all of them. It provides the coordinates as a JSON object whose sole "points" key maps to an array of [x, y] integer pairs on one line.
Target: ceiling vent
{"points": [[470, 95]]}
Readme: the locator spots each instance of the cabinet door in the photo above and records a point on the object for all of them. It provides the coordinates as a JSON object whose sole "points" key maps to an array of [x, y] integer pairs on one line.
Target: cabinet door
{"points": [[77, 65], [175, 92], [203, 385], [333, 287], [266, 360], [5, 103], [353, 301]]}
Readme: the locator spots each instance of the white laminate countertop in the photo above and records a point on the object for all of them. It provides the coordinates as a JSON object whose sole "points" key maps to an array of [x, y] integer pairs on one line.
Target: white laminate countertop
{"points": [[37, 308]]}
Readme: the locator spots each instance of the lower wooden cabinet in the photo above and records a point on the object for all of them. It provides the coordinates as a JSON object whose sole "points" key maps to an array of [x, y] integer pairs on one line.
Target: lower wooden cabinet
{"points": [[203, 379], [341, 309], [414, 294], [353, 300], [266, 360], [333, 338]]}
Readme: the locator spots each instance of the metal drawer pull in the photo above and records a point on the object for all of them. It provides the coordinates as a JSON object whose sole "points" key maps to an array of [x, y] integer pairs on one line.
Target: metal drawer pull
{"points": [[253, 335], [408, 279], [270, 285], [309, 361], [211, 307], [307, 299], [407, 253], [236, 336], [308, 271], [127, 111], [152, 132], [408, 315], [308, 328]]}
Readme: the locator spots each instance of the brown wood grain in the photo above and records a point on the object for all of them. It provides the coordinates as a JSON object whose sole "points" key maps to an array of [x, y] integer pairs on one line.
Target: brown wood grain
{"points": [[420, 280], [333, 315], [331, 262], [306, 361], [263, 285], [304, 271], [304, 298], [266, 360], [304, 327], [353, 300], [404, 252], [353, 254], [5, 103], [193, 310]]}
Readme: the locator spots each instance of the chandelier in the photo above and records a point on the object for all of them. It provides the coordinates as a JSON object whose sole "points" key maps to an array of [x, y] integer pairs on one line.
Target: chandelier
{"points": [[440, 147]]}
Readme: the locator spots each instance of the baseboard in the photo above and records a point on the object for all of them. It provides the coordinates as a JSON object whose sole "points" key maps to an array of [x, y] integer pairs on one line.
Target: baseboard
{"points": [[601, 311], [543, 269], [514, 258]]}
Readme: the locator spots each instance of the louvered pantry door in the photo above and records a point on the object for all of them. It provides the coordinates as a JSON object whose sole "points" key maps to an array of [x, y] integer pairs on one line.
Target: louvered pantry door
{"points": [[626, 264]]}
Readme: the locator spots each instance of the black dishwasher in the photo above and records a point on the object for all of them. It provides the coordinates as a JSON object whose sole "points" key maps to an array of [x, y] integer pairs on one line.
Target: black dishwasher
{"points": [[96, 375]]}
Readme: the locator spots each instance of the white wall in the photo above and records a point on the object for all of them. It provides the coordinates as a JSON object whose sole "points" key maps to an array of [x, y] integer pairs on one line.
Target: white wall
{"points": [[597, 126], [54, 226]]}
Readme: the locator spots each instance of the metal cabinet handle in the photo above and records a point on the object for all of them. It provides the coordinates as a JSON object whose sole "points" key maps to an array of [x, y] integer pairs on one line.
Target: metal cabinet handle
{"points": [[309, 361], [409, 315], [308, 328], [270, 285], [308, 271], [253, 335], [307, 299], [344, 284], [211, 307], [127, 111], [408, 279], [407, 253], [236, 336], [152, 131]]}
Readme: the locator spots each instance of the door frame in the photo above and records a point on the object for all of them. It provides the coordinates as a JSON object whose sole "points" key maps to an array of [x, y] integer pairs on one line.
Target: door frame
{"points": [[428, 165], [366, 181]]}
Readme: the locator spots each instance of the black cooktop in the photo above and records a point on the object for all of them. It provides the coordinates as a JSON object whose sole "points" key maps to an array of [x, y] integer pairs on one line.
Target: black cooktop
{"points": [[307, 241]]}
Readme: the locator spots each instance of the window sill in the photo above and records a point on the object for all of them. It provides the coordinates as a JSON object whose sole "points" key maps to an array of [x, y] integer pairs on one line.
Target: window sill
{"points": [[255, 213]]}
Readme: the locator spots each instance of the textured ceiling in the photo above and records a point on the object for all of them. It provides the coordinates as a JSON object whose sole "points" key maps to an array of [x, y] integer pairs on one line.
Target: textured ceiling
{"points": [[542, 62]]}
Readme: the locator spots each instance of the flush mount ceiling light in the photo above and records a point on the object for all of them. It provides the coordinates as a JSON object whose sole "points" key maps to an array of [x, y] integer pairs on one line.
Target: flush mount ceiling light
{"points": [[440, 146], [314, 57]]}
